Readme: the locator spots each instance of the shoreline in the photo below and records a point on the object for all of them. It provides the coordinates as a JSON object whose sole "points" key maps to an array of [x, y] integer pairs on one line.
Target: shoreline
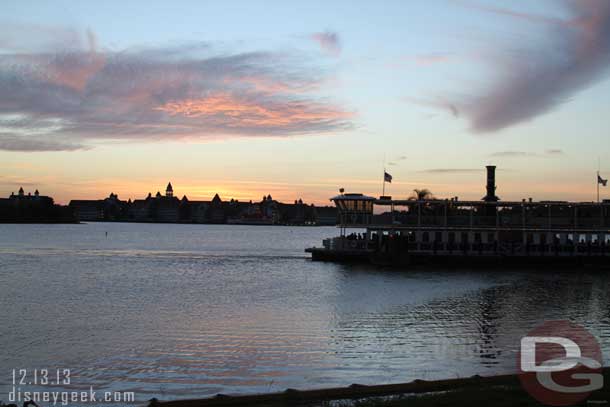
{"points": [[425, 392]]}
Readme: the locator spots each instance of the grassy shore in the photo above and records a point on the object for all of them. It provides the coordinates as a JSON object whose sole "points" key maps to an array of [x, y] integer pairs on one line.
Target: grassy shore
{"points": [[497, 391], [496, 396]]}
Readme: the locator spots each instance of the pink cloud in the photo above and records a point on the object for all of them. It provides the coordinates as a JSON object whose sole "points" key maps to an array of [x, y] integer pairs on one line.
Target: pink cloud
{"points": [[238, 112], [60, 100], [328, 41]]}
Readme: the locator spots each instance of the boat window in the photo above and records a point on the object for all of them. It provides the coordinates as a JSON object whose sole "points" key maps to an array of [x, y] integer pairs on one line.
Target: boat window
{"points": [[438, 237], [464, 237]]}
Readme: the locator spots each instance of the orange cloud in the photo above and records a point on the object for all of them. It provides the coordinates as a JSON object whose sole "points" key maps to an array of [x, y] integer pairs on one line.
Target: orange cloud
{"points": [[247, 114], [83, 96], [262, 85]]}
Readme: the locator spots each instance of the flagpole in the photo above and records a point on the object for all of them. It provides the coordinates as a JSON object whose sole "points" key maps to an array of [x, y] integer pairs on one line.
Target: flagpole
{"points": [[597, 180], [383, 166]]}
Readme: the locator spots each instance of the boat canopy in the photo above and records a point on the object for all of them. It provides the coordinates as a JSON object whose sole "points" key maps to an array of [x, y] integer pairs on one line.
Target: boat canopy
{"points": [[354, 208], [352, 197]]}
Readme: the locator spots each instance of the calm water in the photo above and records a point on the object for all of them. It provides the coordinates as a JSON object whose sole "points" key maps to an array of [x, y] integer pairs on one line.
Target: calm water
{"points": [[181, 311]]}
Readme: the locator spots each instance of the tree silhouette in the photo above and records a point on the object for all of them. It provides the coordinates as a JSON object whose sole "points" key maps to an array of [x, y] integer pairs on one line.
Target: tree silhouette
{"points": [[421, 195]]}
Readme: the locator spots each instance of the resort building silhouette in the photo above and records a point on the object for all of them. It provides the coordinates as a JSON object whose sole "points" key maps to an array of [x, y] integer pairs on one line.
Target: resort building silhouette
{"points": [[168, 208], [33, 208]]}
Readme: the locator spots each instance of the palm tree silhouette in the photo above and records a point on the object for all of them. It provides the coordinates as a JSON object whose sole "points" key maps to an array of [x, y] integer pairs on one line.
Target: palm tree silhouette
{"points": [[421, 195]]}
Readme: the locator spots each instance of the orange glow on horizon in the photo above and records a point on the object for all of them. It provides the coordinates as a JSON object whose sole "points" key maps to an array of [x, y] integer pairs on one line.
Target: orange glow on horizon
{"points": [[318, 192]]}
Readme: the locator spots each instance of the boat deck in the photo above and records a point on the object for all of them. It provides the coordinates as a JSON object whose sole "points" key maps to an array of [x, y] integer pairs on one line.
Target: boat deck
{"points": [[466, 258]]}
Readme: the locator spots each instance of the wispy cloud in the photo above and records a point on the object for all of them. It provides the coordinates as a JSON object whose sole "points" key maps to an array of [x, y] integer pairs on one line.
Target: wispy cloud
{"points": [[68, 99], [16, 181], [511, 13], [564, 57], [512, 154], [328, 41], [437, 103], [518, 154], [396, 160], [423, 60], [452, 170], [9, 142]]}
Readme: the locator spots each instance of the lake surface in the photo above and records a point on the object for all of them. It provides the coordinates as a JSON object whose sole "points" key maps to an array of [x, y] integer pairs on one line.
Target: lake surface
{"points": [[182, 311]]}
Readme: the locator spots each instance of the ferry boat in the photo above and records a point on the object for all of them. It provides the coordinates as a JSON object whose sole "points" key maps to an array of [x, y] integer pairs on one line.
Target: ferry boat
{"points": [[489, 231]]}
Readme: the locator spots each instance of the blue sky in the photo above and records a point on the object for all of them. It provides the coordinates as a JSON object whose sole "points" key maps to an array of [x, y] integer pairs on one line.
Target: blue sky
{"points": [[298, 99]]}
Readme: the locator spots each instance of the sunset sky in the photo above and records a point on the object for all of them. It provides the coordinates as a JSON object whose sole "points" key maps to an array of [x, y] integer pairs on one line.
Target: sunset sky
{"points": [[299, 99]]}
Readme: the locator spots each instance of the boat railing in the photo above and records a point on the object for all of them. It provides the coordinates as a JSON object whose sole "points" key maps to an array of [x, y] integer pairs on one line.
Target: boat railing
{"points": [[503, 248], [345, 243], [488, 223], [479, 220]]}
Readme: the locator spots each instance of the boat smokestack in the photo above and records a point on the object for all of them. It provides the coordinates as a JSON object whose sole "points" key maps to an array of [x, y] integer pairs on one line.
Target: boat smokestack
{"points": [[491, 185]]}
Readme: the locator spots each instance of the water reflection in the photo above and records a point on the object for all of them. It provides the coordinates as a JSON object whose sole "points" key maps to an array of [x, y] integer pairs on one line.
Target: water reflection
{"points": [[148, 316]]}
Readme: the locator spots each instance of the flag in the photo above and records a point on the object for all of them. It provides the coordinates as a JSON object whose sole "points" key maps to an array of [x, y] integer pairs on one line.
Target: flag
{"points": [[600, 180], [387, 177]]}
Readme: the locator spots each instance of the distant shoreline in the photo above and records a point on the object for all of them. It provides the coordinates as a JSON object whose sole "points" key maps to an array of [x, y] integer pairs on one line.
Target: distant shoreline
{"points": [[156, 222], [39, 223]]}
